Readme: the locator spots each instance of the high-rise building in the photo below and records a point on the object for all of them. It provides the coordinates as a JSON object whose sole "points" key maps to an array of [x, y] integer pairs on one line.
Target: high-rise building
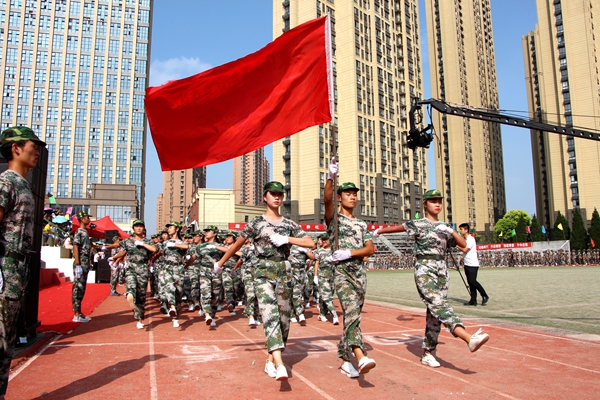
{"points": [[469, 167], [250, 173], [76, 73], [561, 70], [376, 51], [179, 189]]}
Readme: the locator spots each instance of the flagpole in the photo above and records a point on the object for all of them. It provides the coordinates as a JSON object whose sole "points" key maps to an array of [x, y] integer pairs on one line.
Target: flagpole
{"points": [[332, 127]]}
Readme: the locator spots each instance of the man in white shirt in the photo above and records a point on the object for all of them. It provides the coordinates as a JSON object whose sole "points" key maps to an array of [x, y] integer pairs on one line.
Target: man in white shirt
{"points": [[471, 263]]}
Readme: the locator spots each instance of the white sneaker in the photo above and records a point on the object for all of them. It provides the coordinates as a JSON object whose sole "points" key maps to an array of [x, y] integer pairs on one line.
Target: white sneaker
{"points": [[281, 373], [251, 321], [240, 303], [336, 321], [175, 323], [270, 369], [307, 305], [201, 313], [348, 369], [139, 325], [213, 323], [478, 339], [219, 307], [256, 322], [191, 308], [294, 320], [302, 320], [429, 359], [322, 318], [365, 365], [232, 313], [208, 319], [81, 318]]}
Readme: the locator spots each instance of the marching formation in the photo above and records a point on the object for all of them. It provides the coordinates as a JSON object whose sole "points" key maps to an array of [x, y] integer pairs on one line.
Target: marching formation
{"points": [[274, 269]]}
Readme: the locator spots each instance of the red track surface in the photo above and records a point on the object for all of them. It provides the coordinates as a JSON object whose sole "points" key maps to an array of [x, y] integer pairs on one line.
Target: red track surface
{"points": [[109, 358]]}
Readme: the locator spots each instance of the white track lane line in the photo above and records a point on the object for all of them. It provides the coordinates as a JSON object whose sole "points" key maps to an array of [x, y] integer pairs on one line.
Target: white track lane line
{"points": [[32, 359], [152, 362], [296, 374]]}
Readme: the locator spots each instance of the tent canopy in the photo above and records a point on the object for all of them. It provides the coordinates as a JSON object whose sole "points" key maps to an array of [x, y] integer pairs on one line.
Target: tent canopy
{"points": [[103, 225]]}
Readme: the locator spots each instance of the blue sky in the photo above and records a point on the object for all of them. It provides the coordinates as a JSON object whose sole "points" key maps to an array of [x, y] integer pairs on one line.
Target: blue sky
{"points": [[190, 36]]}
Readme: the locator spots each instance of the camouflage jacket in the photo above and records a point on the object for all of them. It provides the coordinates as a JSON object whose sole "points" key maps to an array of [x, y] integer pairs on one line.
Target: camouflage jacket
{"points": [[321, 255], [297, 258], [353, 233], [208, 254], [172, 255], [249, 259], [82, 240], [136, 255], [428, 241], [16, 228], [232, 261], [260, 230]]}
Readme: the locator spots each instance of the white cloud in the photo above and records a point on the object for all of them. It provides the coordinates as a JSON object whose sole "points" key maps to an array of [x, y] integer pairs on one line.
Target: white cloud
{"points": [[175, 68]]}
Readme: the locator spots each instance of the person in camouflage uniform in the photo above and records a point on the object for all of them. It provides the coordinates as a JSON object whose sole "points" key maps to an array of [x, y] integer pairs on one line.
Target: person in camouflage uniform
{"points": [[137, 249], [248, 262], [324, 280], [193, 271], [273, 235], [20, 147], [432, 239], [81, 266], [115, 249], [210, 282], [298, 261], [349, 274], [187, 283], [172, 252], [152, 270], [228, 274]]}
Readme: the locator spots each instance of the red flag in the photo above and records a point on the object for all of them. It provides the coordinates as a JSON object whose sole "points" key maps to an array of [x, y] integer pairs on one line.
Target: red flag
{"points": [[246, 104], [593, 243]]}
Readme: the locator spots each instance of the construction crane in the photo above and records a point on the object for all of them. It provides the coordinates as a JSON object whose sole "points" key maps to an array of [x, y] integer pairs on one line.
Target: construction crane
{"points": [[423, 137]]}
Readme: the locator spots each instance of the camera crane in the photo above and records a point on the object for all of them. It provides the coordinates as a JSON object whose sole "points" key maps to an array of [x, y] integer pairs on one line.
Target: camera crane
{"points": [[423, 137]]}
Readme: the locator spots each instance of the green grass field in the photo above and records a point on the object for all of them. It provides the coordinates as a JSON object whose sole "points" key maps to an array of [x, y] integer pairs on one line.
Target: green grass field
{"points": [[561, 297]]}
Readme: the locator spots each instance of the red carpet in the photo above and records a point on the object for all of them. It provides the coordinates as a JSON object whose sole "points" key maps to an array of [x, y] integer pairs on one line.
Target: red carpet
{"points": [[55, 308]]}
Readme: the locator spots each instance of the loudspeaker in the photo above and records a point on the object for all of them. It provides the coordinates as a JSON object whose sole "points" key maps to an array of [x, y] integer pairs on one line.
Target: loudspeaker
{"points": [[112, 233]]}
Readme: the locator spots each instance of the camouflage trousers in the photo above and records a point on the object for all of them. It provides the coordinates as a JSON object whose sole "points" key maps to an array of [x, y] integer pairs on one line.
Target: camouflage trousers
{"points": [[227, 280], [136, 280], [310, 287], [193, 272], [251, 309], [173, 286], [326, 285], [187, 285], [210, 290], [79, 288], [115, 276], [299, 282], [432, 280], [10, 304], [350, 280], [160, 286], [273, 287], [153, 281]]}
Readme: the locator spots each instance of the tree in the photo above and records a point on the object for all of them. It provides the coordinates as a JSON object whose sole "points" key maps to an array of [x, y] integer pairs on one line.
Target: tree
{"points": [[578, 234], [521, 230], [565, 232], [536, 230], [505, 225], [595, 229]]}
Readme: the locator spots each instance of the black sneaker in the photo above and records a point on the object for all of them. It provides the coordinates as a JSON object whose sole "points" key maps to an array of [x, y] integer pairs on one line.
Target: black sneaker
{"points": [[115, 294], [485, 300], [470, 303]]}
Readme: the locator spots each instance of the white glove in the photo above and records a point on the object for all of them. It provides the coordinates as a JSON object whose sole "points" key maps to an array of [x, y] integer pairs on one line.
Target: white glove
{"points": [[333, 169], [341, 255], [316, 280], [139, 243], [444, 229], [103, 248], [187, 258], [376, 233], [78, 271], [170, 245], [278, 240], [110, 259], [302, 249], [210, 246], [217, 269]]}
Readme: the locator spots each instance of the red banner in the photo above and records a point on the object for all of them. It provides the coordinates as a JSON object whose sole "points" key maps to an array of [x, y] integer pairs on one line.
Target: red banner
{"points": [[500, 246]]}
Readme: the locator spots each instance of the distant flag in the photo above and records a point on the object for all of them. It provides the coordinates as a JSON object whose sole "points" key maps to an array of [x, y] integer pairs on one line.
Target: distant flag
{"points": [[527, 229], [501, 233], [513, 233], [559, 226], [543, 229], [52, 200], [417, 215], [593, 243]]}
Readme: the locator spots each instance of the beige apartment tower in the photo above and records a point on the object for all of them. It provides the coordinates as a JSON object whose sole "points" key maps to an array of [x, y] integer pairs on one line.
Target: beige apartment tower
{"points": [[250, 173], [76, 73], [179, 189], [469, 167], [376, 52], [563, 87]]}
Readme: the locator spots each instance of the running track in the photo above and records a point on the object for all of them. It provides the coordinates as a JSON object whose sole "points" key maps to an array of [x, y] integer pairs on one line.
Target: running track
{"points": [[109, 358]]}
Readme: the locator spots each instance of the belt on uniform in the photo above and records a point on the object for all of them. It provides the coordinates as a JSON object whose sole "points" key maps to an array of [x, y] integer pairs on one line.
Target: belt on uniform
{"points": [[16, 256], [273, 258], [430, 257]]}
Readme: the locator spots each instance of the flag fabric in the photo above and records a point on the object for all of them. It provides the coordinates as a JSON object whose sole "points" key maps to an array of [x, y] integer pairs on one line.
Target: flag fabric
{"points": [[513, 233], [417, 215], [543, 229], [559, 226], [528, 229], [501, 233], [52, 200], [238, 107], [593, 243]]}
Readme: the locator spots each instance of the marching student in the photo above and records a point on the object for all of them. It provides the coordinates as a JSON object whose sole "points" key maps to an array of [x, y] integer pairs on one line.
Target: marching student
{"points": [[349, 274], [82, 248], [432, 238], [324, 280], [172, 254], [273, 235]]}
